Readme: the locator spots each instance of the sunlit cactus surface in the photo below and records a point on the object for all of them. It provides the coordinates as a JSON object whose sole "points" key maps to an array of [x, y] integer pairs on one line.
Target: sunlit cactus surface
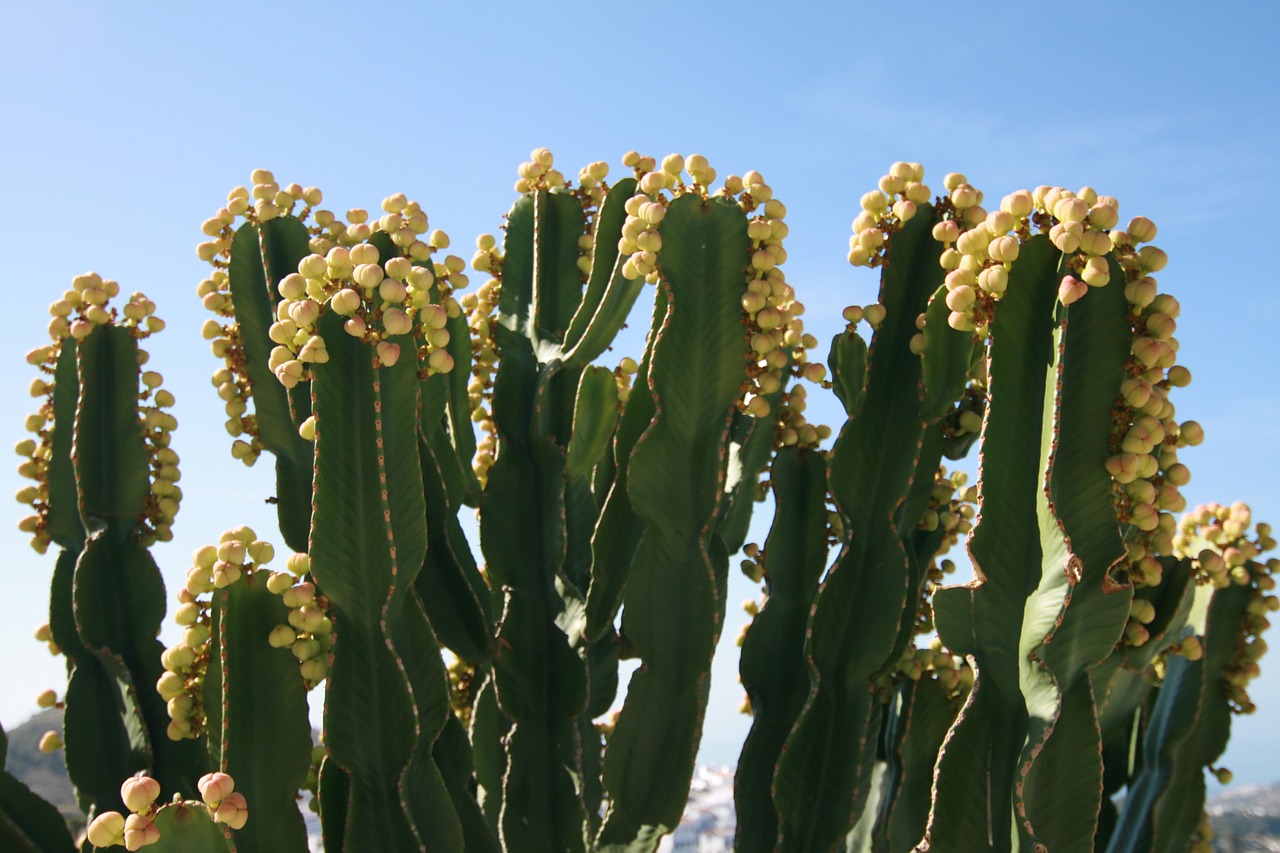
{"points": [[1071, 697]]}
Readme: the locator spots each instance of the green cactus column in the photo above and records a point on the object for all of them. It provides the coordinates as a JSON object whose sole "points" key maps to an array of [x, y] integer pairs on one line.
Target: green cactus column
{"points": [[857, 631], [105, 490], [675, 484]]}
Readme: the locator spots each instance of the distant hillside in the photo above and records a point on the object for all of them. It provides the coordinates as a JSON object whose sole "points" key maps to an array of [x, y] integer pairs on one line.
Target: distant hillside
{"points": [[1246, 818], [46, 774]]}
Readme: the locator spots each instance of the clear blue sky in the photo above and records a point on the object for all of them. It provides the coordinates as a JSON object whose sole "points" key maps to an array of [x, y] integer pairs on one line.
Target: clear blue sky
{"points": [[126, 125]]}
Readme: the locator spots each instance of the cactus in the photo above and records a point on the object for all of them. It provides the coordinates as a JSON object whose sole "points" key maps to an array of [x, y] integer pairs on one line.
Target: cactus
{"points": [[466, 705], [105, 489]]}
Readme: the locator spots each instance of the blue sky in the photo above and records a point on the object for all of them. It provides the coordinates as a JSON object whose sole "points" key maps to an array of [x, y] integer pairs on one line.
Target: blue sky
{"points": [[126, 125]]}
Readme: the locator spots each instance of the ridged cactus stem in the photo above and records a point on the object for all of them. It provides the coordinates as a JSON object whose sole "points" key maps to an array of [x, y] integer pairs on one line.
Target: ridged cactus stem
{"points": [[675, 484], [856, 629], [367, 544], [109, 491]]}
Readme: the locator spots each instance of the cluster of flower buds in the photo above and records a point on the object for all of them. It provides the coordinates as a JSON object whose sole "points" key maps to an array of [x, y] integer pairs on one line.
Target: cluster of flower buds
{"points": [[953, 673], [591, 181], [1146, 437], [214, 567], [771, 312], [80, 310], [884, 211], [343, 273], [384, 303], [482, 311], [980, 250], [753, 565], [138, 830], [310, 631], [1217, 539], [218, 790], [624, 375], [140, 793], [311, 783], [951, 509], [537, 174], [982, 246], [793, 428]]}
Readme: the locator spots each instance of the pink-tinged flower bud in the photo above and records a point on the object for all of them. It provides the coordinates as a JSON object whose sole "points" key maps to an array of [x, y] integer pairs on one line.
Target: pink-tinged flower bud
{"points": [[1004, 249], [314, 267], [918, 193], [1104, 216], [440, 361], [170, 685], [1096, 273], [289, 373], [261, 552], [1142, 611], [398, 268], [232, 551], [1136, 634], [50, 741], [1145, 517], [215, 787], [139, 792], [1142, 292], [1071, 289], [139, 831], [946, 232], [1190, 433], [187, 614], [961, 299], [396, 322], [314, 670], [1141, 230], [279, 582], [345, 302], [293, 286], [1146, 350], [303, 593], [1124, 468], [106, 830], [1019, 204], [874, 202], [1095, 243], [298, 564], [388, 354], [233, 811], [1066, 241], [282, 637], [815, 372], [225, 574], [904, 209], [975, 241], [1152, 259], [999, 222], [1070, 210]]}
